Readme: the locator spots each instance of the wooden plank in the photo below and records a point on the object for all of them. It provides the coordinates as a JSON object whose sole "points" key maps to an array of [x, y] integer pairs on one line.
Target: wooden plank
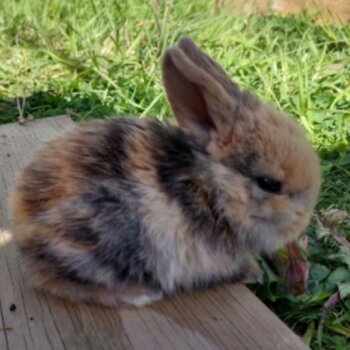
{"points": [[226, 317]]}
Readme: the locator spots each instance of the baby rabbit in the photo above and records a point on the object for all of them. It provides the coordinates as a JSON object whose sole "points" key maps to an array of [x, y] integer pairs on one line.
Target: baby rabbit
{"points": [[125, 211]]}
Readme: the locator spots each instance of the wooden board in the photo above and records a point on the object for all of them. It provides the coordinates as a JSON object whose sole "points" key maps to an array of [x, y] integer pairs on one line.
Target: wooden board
{"points": [[226, 317]]}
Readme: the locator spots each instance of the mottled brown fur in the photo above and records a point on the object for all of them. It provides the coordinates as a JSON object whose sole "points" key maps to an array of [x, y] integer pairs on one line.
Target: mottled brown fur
{"points": [[124, 210]]}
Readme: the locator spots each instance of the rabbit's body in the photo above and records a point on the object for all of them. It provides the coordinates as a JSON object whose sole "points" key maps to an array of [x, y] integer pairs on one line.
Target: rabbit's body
{"points": [[124, 210], [125, 201]]}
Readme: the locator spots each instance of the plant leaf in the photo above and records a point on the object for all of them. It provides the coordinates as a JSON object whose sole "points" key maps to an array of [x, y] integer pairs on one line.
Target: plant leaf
{"points": [[344, 289], [310, 330], [343, 255], [319, 272], [271, 276], [340, 274], [345, 331]]}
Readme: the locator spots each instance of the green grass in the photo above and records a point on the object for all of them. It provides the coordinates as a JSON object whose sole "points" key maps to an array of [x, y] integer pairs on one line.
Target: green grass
{"points": [[98, 58]]}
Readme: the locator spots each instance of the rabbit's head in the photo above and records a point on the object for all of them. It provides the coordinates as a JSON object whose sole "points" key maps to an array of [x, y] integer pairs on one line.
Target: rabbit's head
{"points": [[266, 173]]}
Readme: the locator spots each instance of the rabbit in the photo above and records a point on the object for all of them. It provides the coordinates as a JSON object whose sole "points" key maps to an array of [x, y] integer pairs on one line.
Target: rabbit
{"points": [[126, 211]]}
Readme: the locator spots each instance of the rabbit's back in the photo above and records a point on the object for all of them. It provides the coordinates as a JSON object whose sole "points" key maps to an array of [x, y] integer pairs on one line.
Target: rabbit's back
{"points": [[75, 210], [94, 153], [113, 202]]}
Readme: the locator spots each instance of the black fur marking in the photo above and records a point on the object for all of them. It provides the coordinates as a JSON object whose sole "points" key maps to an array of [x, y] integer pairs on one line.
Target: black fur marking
{"points": [[121, 242], [108, 156], [71, 275], [107, 219], [83, 234], [176, 162], [179, 172]]}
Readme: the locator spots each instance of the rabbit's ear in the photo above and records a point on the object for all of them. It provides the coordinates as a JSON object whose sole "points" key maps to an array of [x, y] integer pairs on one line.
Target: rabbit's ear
{"points": [[200, 104], [202, 60]]}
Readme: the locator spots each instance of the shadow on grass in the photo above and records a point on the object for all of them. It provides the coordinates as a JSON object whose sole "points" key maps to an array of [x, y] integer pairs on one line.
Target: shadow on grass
{"points": [[50, 103]]}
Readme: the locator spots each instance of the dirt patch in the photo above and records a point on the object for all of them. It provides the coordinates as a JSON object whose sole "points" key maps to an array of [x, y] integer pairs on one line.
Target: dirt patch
{"points": [[323, 10]]}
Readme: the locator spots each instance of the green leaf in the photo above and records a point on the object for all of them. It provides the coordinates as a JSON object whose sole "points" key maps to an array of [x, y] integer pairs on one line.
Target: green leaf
{"points": [[343, 256], [319, 272], [271, 276], [310, 330], [345, 331], [344, 289], [340, 274], [345, 159]]}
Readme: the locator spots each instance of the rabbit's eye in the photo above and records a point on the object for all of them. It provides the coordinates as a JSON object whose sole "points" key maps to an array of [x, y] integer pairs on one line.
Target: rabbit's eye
{"points": [[268, 184]]}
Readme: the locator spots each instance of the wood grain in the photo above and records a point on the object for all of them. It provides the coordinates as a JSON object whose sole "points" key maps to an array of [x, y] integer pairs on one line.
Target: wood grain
{"points": [[226, 317]]}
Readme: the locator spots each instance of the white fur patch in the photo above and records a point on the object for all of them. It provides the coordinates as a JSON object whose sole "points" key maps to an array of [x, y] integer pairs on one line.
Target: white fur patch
{"points": [[142, 299]]}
